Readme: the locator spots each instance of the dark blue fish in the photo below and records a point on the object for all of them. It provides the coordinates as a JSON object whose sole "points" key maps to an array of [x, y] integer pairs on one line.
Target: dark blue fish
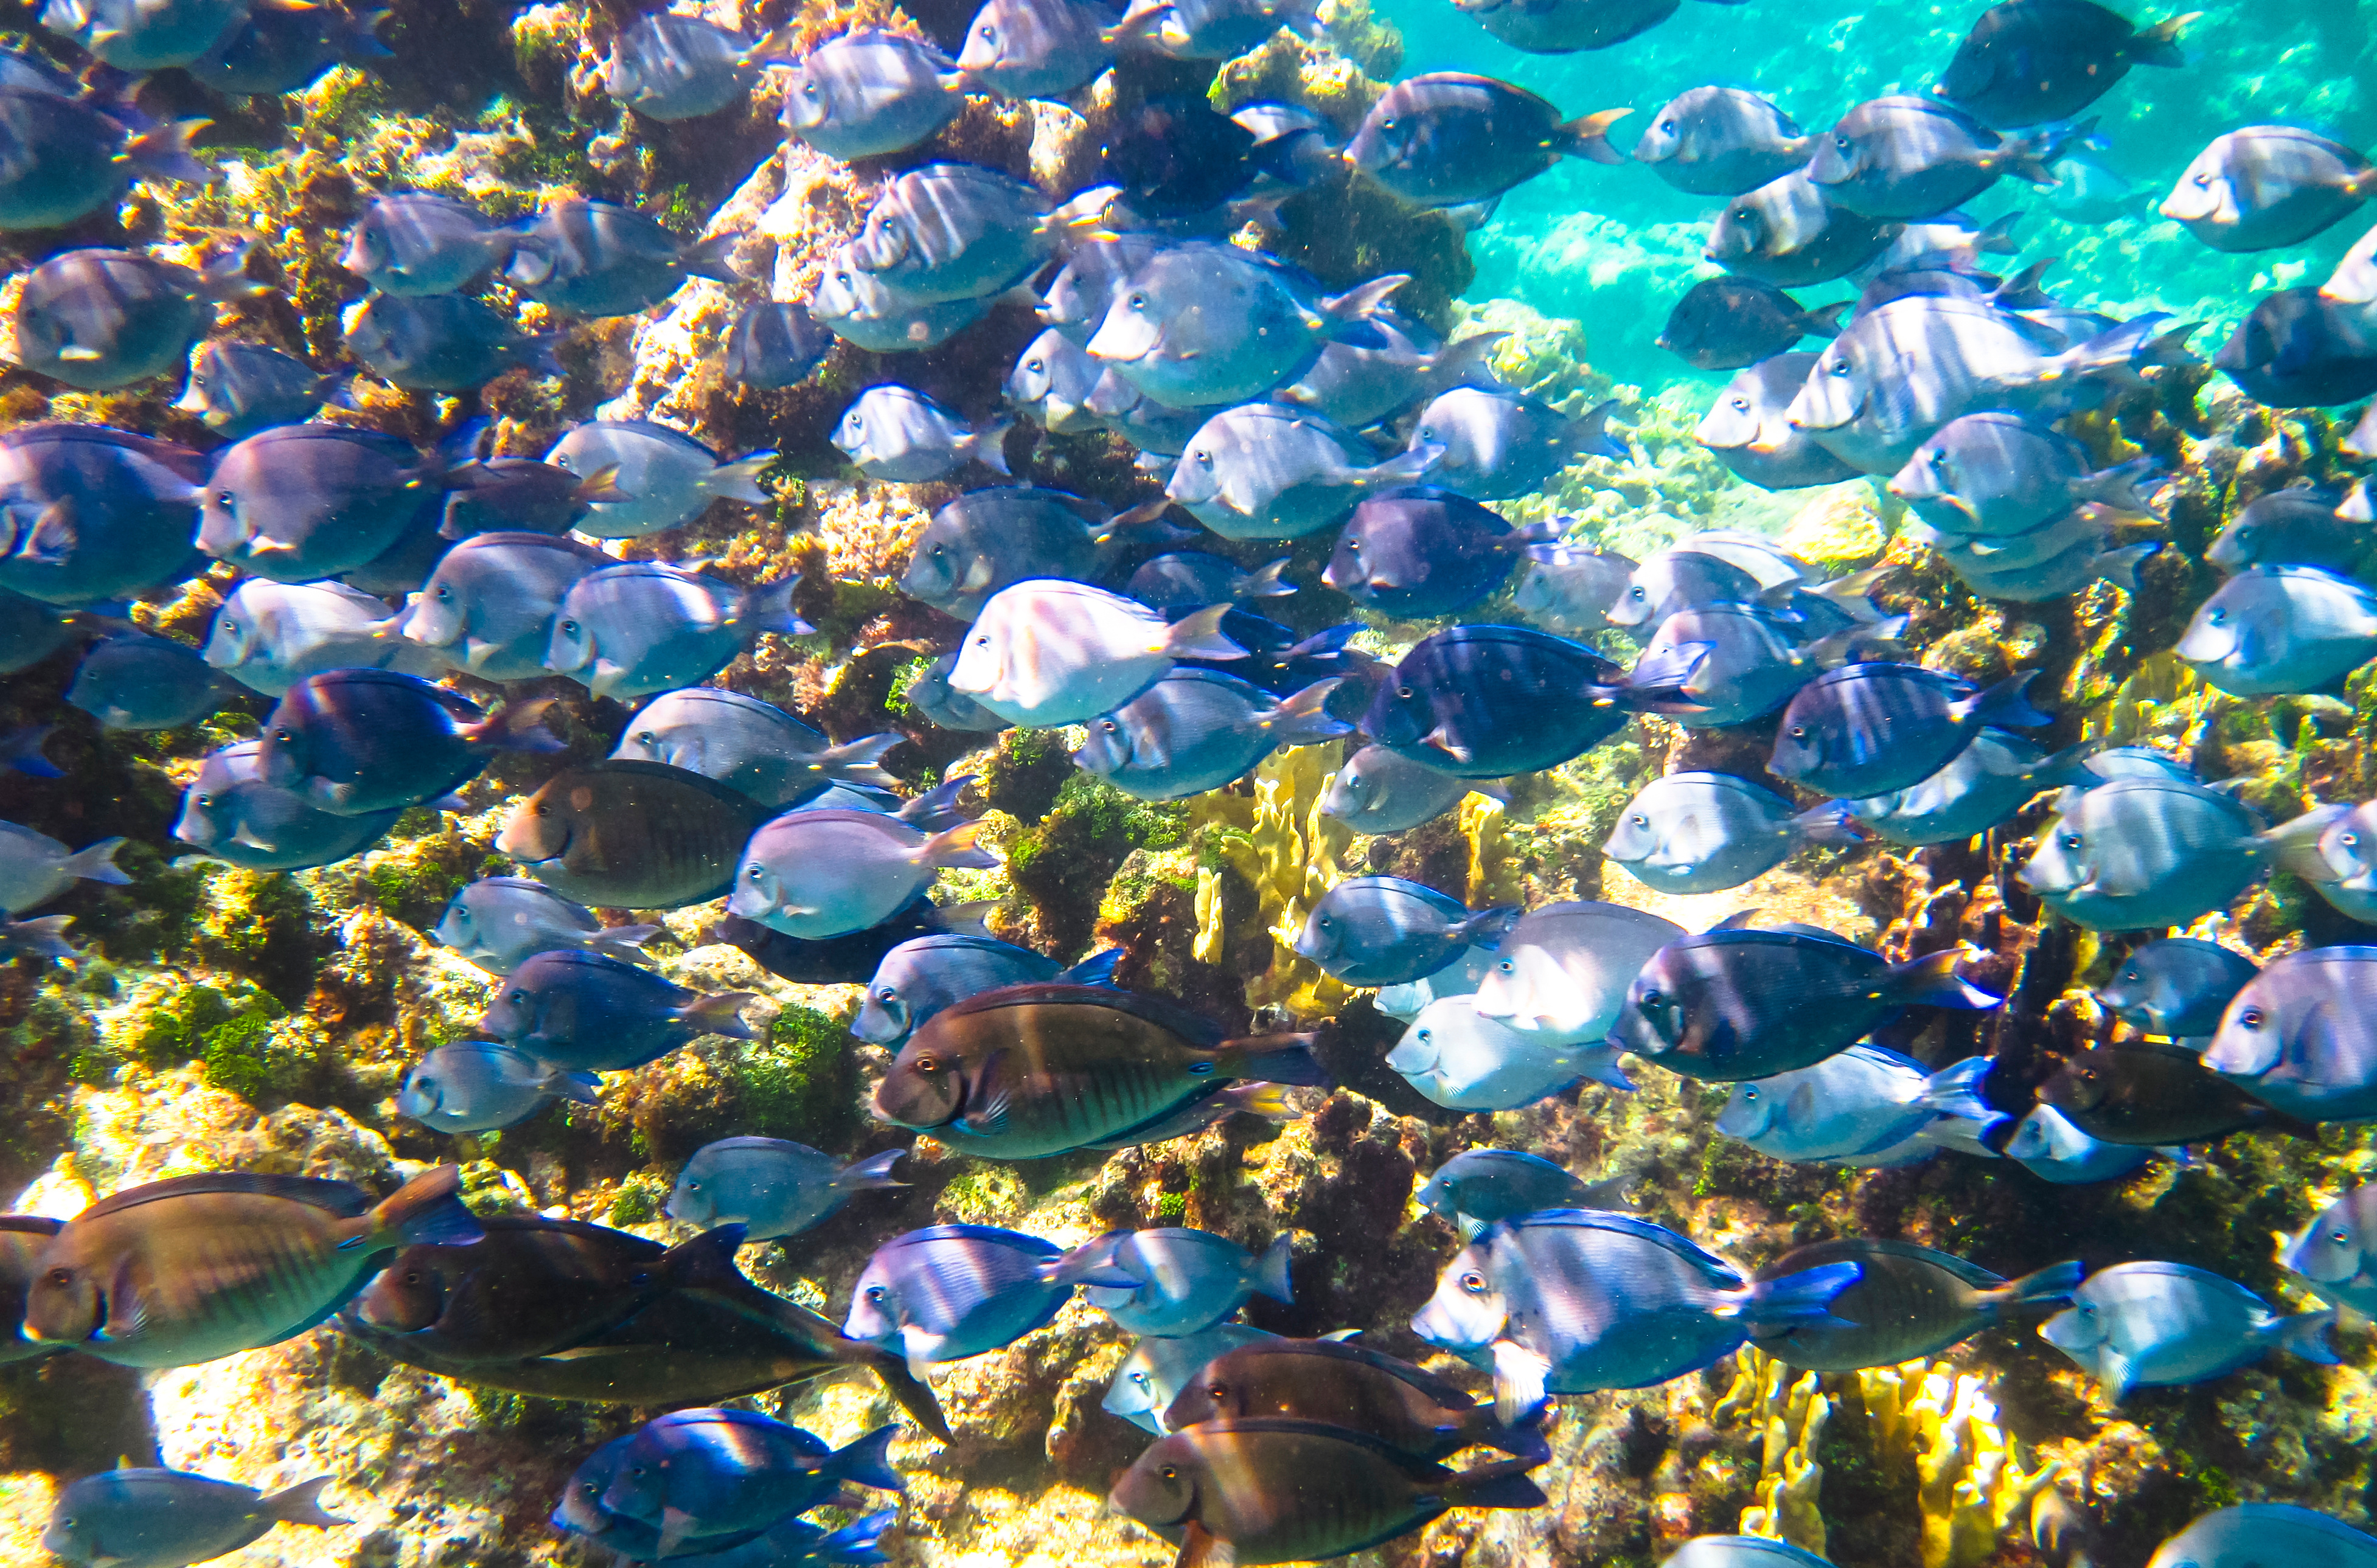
{"points": [[284, 48], [2027, 62], [1786, 233], [585, 1013], [478, 1087], [301, 502], [1445, 138], [1173, 156], [952, 231], [1731, 323], [843, 960], [986, 539], [1386, 931], [441, 343], [1478, 1186], [1418, 553], [869, 91], [357, 740], [134, 37], [771, 1187], [949, 1291], [100, 319], [775, 343], [410, 244], [2299, 348], [30, 632], [133, 680], [1036, 48], [1499, 443], [596, 258], [521, 495], [88, 513], [1869, 729], [70, 156], [697, 1475], [1904, 158], [1192, 579], [1486, 702], [2177, 986], [925, 974], [146, 1518], [2298, 525], [1196, 730], [644, 626], [240, 389], [230, 813]]}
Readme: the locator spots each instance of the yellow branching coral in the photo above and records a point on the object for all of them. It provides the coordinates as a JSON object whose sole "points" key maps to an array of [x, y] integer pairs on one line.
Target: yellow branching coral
{"points": [[1493, 871], [1288, 850], [1970, 1481], [2162, 700], [1794, 1411]]}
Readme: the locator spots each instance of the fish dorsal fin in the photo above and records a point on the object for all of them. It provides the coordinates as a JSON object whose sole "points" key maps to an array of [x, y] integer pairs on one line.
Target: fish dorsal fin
{"points": [[1738, 921], [341, 1198]]}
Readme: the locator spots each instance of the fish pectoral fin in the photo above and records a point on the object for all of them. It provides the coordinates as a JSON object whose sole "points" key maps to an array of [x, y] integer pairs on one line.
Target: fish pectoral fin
{"points": [[1201, 1547], [588, 1352], [1801, 1105], [978, 575], [127, 1310], [919, 1346], [2114, 1372], [1519, 1375], [249, 837], [987, 1116], [1442, 738], [676, 1525]]}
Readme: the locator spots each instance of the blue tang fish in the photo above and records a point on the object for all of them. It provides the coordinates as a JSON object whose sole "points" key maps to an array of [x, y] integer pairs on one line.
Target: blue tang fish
{"points": [[1561, 971], [644, 626], [1196, 730], [1705, 832], [771, 1187], [230, 813], [2157, 1324], [595, 258], [869, 91], [949, 1291], [2297, 1036], [829, 872], [133, 680], [1185, 1281], [1192, 579], [2338, 1250], [1035, 48], [1867, 1107], [1460, 1059], [696, 1475], [358, 741], [2141, 853], [270, 635], [894, 433], [925, 974], [409, 243], [100, 319], [775, 343], [490, 602], [1418, 553], [151, 1518], [1478, 1186], [665, 477], [499, 922], [301, 502], [2177, 986], [1868, 728], [240, 389], [90, 513], [1045, 652], [2047, 1144], [1155, 1371], [951, 232], [2276, 1534], [475, 1085], [440, 342], [753, 746], [1384, 930], [669, 66], [2278, 630], [1379, 791], [1498, 444], [36, 868], [583, 1012]]}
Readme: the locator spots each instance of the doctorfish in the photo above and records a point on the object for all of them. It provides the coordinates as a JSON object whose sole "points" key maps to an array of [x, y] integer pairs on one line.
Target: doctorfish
{"points": [[2157, 1096], [173, 1273], [631, 835], [1908, 1303], [1411, 1411], [1027, 1071], [713, 1339]]}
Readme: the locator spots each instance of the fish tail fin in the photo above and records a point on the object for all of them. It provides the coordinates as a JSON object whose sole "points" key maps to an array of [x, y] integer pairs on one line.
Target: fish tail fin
{"points": [[911, 1393], [21, 748], [739, 481], [710, 258], [2159, 45], [625, 943], [1589, 433], [96, 863], [855, 762], [1487, 927], [46, 937], [2296, 842], [986, 443], [706, 1261], [1932, 981], [1268, 1101], [586, 1089], [854, 1542], [2050, 1285], [1277, 1059], [1597, 1061], [223, 275], [1198, 636], [1501, 1485], [517, 727], [1304, 719], [1831, 823], [163, 151], [1364, 299], [601, 485], [871, 1174], [1798, 1298], [1404, 466], [2305, 1335], [953, 849], [2119, 567], [768, 607], [425, 1211], [1824, 321], [1955, 1090], [1265, 582], [866, 1461], [1666, 676], [2121, 352], [2005, 706], [1091, 1263], [719, 1013], [936, 808], [301, 1504], [1587, 135], [2033, 157], [1098, 969], [1520, 1379], [2125, 487], [1457, 362], [1270, 1274]]}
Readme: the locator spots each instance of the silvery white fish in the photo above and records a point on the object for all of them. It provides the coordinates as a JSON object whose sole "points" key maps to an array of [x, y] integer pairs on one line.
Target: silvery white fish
{"points": [[1044, 652], [2046, 1143], [1196, 730], [2276, 1534], [1155, 1371], [1205, 324], [1375, 369], [827, 871], [1097, 266], [1386, 930], [670, 66], [2177, 986], [36, 868], [1741, 1551], [771, 1187], [949, 1291], [1750, 429], [1569, 1301], [1379, 791], [597, 258], [1722, 141], [775, 343], [1705, 832], [230, 813], [754, 746], [2157, 1324], [476, 1086], [1569, 590], [860, 307], [1036, 48], [1786, 233], [1185, 1281], [407, 243], [1478, 1186], [2137, 854], [925, 974], [1996, 474], [1155, 431], [869, 91], [491, 601], [631, 630], [1867, 1107], [2338, 1250], [1563, 968], [133, 680], [1902, 158], [894, 433], [1703, 569], [951, 232], [2273, 630], [1459, 977], [1982, 786], [2263, 187], [2297, 1036], [667, 476], [1053, 377], [1499, 442], [240, 389], [270, 635], [499, 922], [1465, 1062], [1270, 470]]}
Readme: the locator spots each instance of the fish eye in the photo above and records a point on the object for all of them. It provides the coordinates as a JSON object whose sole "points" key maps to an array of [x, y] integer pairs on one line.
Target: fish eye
{"points": [[2350, 840], [1798, 731], [517, 997], [887, 993], [1428, 1034], [809, 89], [2068, 840], [2215, 616], [2250, 1017], [1651, 999], [543, 810], [876, 1292], [1669, 127], [284, 736], [1742, 404], [1639, 820], [928, 1065], [1171, 1473], [1404, 692], [1109, 726], [224, 498], [569, 628], [2340, 1237], [1219, 1390], [203, 800], [1140, 1378], [1748, 1094], [2204, 182], [1507, 966], [1035, 366], [61, 1276], [754, 872], [1474, 1282], [1840, 367], [1840, 142]]}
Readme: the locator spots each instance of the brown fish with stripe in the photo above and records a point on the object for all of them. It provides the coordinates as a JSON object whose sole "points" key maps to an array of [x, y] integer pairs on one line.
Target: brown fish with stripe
{"points": [[1028, 1071], [2160, 1096], [632, 834], [176, 1273], [1908, 1301], [1279, 1491], [1411, 1411]]}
